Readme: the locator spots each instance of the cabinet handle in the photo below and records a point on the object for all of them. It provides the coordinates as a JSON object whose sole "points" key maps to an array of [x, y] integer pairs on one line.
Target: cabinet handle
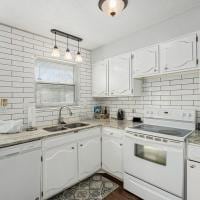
{"points": [[192, 166]]}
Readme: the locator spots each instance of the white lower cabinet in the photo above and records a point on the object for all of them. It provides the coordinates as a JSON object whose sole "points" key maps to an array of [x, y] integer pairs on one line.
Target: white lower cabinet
{"points": [[69, 158], [112, 152], [59, 168], [89, 151], [193, 180], [193, 172]]}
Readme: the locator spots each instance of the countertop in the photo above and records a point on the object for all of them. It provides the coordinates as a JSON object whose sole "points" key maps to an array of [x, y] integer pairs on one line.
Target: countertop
{"points": [[195, 138], [7, 140]]}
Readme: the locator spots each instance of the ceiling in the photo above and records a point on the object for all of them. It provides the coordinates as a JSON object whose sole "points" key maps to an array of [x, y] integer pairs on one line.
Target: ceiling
{"points": [[84, 19]]}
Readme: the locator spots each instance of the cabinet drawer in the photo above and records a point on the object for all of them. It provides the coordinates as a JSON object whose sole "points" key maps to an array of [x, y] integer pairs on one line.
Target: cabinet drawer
{"points": [[113, 132], [194, 152]]}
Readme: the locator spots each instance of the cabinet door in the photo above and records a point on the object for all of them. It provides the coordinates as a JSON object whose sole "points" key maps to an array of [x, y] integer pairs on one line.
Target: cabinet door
{"points": [[89, 156], [193, 180], [120, 75], [60, 169], [99, 79], [145, 61], [112, 155], [179, 54]]}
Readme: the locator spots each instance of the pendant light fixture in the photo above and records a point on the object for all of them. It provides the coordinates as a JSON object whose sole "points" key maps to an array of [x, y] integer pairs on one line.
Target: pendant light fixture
{"points": [[112, 7], [55, 52], [68, 55], [78, 59]]}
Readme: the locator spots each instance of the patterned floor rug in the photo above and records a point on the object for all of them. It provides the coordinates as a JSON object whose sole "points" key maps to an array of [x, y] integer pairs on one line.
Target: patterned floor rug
{"points": [[96, 187]]}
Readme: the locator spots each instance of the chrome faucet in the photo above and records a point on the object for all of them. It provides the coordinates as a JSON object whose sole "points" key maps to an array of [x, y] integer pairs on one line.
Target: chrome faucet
{"points": [[60, 118]]}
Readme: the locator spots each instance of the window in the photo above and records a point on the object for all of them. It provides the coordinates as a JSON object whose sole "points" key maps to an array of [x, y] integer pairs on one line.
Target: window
{"points": [[55, 83], [151, 154]]}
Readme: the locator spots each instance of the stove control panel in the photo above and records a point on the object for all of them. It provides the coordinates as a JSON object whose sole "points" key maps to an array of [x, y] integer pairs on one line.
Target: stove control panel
{"points": [[171, 114]]}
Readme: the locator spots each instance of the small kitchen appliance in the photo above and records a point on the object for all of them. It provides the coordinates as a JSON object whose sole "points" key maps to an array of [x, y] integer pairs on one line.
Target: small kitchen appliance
{"points": [[120, 114], [154, 154]]}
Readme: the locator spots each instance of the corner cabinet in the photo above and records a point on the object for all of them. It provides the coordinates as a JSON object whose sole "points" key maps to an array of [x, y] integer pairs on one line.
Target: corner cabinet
{"points": [[120, 75], [99, 79], [145, 61], [179, 54]]}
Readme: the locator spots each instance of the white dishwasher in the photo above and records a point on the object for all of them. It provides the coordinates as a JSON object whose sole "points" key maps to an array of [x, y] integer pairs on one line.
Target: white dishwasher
{"points": [[20, 167]]}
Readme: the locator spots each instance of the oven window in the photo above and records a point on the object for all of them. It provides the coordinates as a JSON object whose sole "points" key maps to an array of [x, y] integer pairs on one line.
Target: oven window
{"points": [[151, 154]]}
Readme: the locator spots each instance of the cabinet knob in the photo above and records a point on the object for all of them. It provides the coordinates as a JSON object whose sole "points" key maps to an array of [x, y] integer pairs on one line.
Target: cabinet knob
{"points": [[166, 68], [192, 166], [37, 198], [73, 147], [81, 145], [121, 144], [155, 70]]}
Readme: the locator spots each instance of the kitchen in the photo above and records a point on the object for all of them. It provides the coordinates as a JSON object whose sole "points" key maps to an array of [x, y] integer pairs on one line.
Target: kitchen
{"points": [[108, 109]]}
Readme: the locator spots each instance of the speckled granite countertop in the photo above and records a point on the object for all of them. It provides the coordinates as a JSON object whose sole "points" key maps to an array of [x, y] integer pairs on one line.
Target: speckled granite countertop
{"points": [[195, 138], [28, 136]]}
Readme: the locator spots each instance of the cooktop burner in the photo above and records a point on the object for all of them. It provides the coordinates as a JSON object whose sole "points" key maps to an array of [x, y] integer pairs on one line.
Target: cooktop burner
{"points": [[162, 130]]}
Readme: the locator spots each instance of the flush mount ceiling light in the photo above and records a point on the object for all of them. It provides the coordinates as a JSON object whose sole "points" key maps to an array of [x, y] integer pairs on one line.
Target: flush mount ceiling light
{"points": [[112, 7], [55, 52]]}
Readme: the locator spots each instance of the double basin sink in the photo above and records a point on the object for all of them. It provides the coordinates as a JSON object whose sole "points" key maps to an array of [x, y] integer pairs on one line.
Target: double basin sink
{"points": [[62, 127]]}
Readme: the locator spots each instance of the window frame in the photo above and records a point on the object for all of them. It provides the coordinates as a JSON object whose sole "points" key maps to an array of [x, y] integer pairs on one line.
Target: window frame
{"points": [[75, 83]]}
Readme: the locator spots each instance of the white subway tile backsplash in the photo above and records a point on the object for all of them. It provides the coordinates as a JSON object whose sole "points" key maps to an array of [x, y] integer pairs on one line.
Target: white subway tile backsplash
{"points": [[18, 51]]}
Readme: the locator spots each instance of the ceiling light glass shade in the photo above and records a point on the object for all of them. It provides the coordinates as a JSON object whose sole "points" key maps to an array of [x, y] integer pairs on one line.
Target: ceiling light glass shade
{"points": [[78, 58], [68, 55], [112, 7], [55, 52]]}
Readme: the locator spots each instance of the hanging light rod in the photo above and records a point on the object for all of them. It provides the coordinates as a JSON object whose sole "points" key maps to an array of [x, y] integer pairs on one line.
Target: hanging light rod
{"points": [[63, 34]]}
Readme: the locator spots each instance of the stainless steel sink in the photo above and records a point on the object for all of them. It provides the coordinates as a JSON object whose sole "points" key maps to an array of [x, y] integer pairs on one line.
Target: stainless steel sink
{"points": [[64, 127], [55, 128], [75, 125]]}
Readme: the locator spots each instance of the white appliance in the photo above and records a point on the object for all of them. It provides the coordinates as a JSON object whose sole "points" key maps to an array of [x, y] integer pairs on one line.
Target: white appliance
{"points": [[154, 154], [20, 168], [193, 172]]}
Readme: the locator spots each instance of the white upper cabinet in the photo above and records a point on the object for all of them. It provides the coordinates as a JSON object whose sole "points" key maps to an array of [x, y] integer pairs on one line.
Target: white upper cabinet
{"points": [[89, 156], [120, 75], [99, 79], [179, 54], [145, 61]]}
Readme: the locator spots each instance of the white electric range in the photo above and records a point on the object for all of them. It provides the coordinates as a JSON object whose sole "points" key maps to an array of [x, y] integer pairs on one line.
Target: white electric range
{"points": [[154, 154]]}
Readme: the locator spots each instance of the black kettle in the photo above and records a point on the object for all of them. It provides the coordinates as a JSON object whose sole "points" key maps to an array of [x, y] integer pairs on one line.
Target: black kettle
{"points": [[120, 114]]}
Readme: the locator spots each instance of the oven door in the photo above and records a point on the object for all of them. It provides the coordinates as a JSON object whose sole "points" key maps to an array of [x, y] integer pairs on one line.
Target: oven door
{"points": [[158, 163]]}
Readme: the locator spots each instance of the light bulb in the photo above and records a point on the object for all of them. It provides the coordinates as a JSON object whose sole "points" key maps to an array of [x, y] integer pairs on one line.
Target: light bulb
{"points": [[68, 55], [78, 59], [112, 7], [55, 52]]}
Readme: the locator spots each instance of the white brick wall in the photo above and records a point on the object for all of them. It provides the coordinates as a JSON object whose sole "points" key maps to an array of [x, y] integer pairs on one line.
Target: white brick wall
{"points": [[18, 50], [176, 91]]}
